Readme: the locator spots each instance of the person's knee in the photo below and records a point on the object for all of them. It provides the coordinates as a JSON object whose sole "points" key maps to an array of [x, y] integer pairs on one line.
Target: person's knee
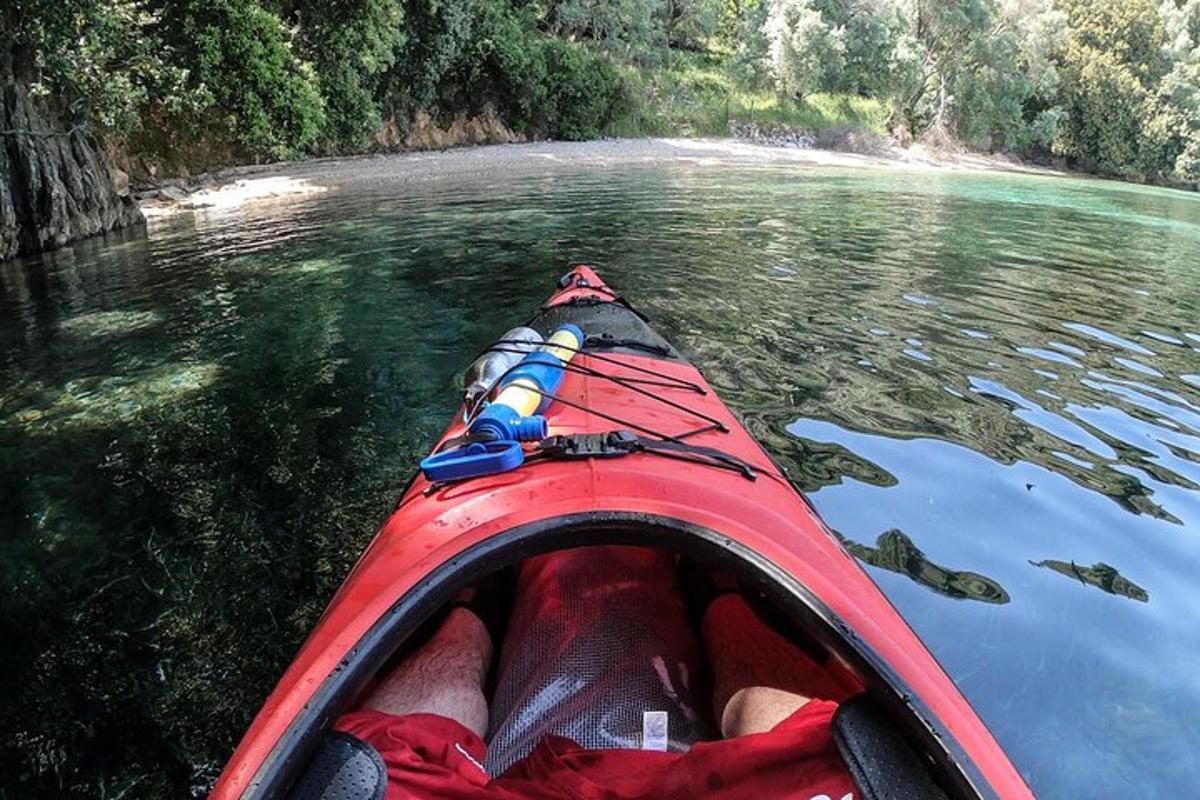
{"points": [[464, 703], [757, 709], [444, 676]]}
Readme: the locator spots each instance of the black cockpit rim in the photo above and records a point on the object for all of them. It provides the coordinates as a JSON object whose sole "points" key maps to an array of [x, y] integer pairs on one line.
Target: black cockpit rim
{"points": [[950, 761]]}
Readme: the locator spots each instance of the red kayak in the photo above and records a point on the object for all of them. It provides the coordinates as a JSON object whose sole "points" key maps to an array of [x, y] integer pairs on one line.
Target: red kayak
{"points": [[633, 447]]}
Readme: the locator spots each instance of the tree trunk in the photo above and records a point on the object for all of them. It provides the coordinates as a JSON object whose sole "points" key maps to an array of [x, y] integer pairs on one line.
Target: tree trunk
{"points": [[941, 114]]}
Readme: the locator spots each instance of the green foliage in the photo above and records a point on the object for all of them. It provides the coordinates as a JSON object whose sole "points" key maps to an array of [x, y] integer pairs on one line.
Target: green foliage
{"points": [[264, 97], [40, 33], [698, 96], [1181, 29], [541, 86], [351, 45], [1187, 164], [1112, 85], [871, 34], [438, 33], [625, 28], [804, 52], [965, 74], [988, 102], [583, 92], [691, 23], [750, 65], [503, 65], [1130, 31], [1104, 105], [102, 61], [1037, 30], [1043, 130], [966, 67], [1131, 87]]}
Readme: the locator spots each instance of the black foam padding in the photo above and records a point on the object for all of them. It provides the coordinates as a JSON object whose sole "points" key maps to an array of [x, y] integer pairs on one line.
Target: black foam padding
{"points": [[344, 768], [881, 762], [602, 321]]}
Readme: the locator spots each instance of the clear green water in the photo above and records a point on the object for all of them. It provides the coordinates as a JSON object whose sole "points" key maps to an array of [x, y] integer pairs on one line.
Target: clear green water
{"points": [[990, 386]]}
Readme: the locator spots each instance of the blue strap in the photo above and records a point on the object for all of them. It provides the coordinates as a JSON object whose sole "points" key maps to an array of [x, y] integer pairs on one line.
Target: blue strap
{"points": [[473, 460]]}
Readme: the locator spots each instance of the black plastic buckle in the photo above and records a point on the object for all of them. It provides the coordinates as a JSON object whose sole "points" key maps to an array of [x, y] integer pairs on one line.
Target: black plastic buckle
{"points": [[589, 445]]}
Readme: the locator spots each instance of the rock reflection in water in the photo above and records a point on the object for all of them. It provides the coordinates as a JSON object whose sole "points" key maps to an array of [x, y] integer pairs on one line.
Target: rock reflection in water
{"points": [[896, 552], [1100, 575]]}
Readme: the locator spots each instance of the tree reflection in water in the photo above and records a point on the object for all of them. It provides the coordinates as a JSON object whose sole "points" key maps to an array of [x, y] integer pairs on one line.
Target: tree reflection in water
{"points": [[895, 552], [1100, 575]]}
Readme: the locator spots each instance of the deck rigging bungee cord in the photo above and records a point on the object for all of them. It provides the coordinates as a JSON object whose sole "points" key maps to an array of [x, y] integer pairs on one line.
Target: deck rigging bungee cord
{"points": [[493, 440]]}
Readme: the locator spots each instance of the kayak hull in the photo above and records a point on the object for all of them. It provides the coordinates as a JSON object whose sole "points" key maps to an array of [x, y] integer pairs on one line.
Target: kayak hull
{"points": [[440, 538]]}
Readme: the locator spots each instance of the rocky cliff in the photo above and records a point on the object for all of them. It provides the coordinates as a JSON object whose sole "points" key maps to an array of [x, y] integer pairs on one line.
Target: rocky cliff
{"points": [[57, 183]]}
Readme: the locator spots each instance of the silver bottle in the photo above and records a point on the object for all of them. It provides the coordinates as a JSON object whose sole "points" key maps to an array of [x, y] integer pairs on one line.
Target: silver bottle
{"points": [[480, 378]]}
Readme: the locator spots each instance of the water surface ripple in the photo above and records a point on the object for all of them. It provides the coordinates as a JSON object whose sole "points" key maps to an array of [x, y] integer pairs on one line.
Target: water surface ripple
{"points": [[988, 384]]}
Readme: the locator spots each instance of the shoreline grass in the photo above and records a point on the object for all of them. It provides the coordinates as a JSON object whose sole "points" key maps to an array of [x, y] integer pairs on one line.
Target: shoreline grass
{"points": [[694, 95]]}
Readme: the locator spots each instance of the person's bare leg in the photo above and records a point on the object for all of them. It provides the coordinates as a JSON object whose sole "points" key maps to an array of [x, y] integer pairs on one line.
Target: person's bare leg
{"points": [[444, 677], [759, 678]]}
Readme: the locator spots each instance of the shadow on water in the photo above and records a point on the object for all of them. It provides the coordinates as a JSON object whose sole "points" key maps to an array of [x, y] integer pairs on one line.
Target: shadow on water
{"points": [[895, 552], [200, 430]]}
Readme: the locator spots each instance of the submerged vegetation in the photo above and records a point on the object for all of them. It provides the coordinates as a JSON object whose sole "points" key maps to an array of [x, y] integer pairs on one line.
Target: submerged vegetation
{"points": [[1112, 85]]}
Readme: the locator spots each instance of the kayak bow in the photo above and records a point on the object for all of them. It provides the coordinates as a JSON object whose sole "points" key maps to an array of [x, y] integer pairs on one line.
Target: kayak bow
{"points": [[634, 447]]}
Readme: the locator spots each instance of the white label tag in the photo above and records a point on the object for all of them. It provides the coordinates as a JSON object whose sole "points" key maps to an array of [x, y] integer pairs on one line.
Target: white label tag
{"points": [[654, 730]]}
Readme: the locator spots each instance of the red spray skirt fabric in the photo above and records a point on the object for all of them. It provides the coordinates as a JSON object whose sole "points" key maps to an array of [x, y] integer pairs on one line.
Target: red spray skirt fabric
{"points": [[434, 757]]}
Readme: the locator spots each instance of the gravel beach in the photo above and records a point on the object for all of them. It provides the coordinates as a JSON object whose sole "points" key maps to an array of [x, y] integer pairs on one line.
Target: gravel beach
{"points": [[273, 182]]}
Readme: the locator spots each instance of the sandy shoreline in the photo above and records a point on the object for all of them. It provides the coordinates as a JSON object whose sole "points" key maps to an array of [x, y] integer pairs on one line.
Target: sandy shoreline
{"points": [[278, 182]]}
